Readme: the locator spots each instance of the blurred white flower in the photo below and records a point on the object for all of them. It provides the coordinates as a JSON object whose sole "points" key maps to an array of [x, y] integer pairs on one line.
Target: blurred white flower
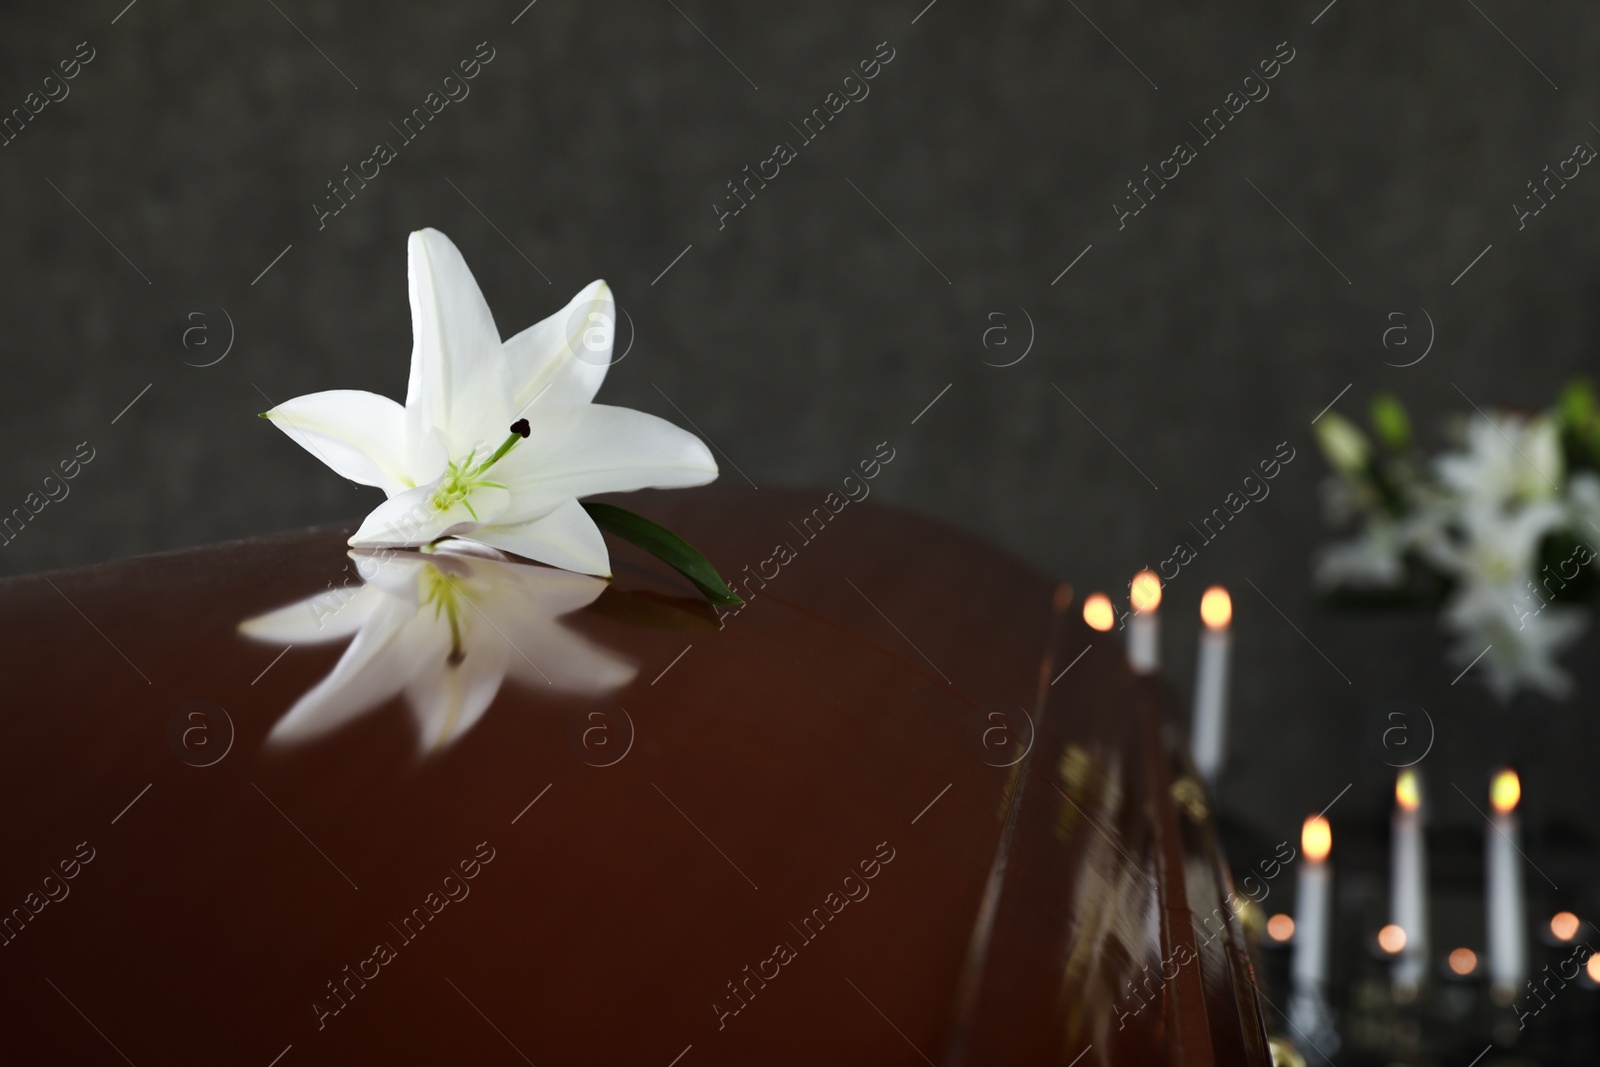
{"points": [[1373, 559], [1508, 460], [445, 627], [1493, 557], [1518, 656], [1492, 546], [470, 455], [1501, 498], [1583, 504], [1481, 516]]}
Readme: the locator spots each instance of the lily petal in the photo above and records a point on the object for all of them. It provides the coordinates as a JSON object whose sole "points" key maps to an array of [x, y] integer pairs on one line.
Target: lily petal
{"points": [[328, 616], [372, 670], [571, 663], [361, 435], [448, 702], [579, 451], [566, 537], [458, 383], [536, 592], [563, 359], [523, 617], [412, 519]]}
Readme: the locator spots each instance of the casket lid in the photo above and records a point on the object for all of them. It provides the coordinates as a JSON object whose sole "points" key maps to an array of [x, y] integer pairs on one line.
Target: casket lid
{"points": [[871, 816]]}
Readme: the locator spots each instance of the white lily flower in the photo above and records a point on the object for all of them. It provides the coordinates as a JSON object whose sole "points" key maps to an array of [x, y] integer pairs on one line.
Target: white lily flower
{"points": [[1498, 606], [497, 440], [445, 628], [1373, 559], [1583, 505], [1508, 460], [1521, 656]]}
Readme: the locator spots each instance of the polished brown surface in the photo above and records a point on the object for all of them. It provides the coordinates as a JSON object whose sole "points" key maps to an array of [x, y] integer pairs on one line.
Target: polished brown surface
{"points": [[856, 718]]}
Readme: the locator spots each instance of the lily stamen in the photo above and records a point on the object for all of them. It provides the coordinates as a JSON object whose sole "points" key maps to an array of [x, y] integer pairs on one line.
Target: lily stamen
{"points": [[519, 432], [461, 478]]}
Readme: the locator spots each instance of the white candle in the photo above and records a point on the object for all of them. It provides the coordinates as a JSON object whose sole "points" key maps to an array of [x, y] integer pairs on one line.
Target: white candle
{"points": [[1408, 886], [1209, 722], [1144, 627], [1313, 901], [1505, 908]]}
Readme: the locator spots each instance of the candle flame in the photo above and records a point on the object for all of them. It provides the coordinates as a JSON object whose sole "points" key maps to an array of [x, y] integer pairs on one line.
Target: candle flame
{"points": [[1463, 961], [1408, 791], [1097, 612], [1564, 925], [1505, 791], [1216, 608], [1316, 838], [1593, 967], [1145, 591], [1392, 939], [1280, 927]]}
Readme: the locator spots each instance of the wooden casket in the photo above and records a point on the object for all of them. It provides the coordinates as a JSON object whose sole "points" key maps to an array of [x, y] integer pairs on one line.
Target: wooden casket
{"points": [[273, 803]]}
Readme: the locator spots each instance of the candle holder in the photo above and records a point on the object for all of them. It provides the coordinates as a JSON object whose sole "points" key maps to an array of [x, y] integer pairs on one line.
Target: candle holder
{"points": [[1449, 1015]]}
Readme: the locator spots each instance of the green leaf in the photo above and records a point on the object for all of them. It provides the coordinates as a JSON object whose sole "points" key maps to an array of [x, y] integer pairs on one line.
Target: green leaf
{"points": [[1577, 405], [666, 546], [1579, 417], [1389, 421]]}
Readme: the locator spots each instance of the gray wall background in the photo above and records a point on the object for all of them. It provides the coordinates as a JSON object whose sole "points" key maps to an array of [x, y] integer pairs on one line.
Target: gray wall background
{"points": [[809, 329]]}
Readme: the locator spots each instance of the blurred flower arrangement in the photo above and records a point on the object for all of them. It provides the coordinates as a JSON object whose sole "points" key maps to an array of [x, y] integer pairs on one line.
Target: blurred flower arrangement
{"points": [[1497, 533]]}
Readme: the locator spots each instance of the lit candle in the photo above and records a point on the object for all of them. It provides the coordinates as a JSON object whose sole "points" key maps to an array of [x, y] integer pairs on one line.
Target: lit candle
{"points": [[1564, 926], [1506, 912], [1098, 612], [1408, 885], [1210, 718], [1144, 629], [1313, 899]]}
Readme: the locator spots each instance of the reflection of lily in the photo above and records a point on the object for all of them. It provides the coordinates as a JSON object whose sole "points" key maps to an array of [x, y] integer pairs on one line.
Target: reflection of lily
{"points": [[445, 627]]}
